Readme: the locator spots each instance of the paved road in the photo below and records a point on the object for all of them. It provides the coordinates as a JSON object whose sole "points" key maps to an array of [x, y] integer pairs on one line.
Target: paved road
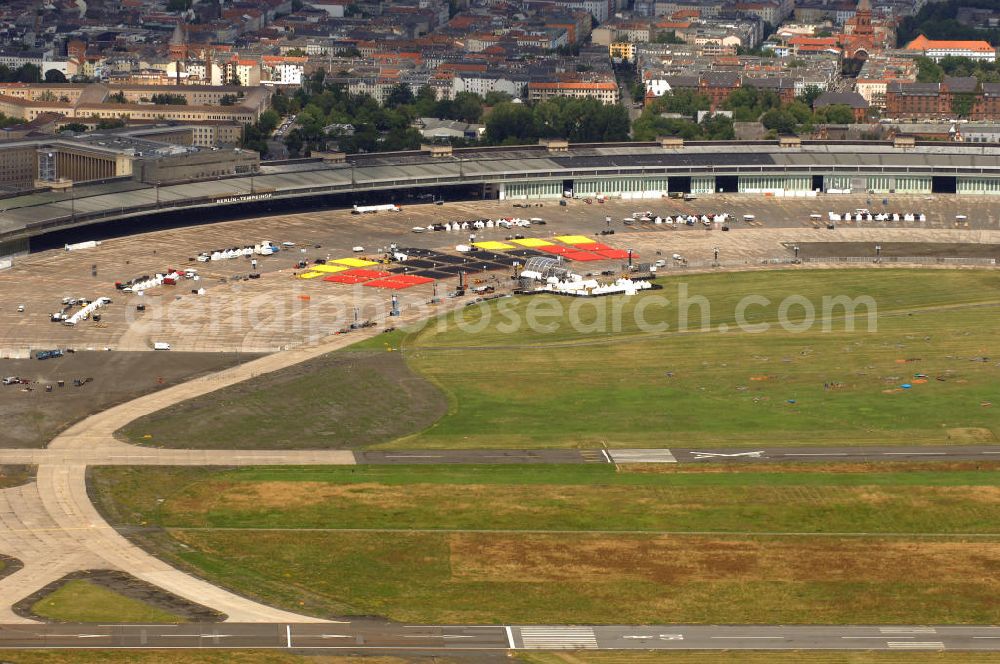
{"points": [[118, 454], [369, 636], [699, 455]]}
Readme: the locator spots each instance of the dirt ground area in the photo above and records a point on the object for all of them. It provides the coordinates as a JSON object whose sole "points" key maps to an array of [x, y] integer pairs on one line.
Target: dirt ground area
{"points": [[907, 249], [280, 310], [129, 586], [32, 416], [340, 400]]}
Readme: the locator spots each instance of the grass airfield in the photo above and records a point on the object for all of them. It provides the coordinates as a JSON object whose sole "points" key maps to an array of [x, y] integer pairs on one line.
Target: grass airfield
{"points": [[906, 543], [608, 381], [782, 544]]}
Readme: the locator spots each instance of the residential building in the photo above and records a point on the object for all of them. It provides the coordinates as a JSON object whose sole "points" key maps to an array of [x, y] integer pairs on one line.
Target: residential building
{"points": [[604, 91], [858, 104], [937, 49]]}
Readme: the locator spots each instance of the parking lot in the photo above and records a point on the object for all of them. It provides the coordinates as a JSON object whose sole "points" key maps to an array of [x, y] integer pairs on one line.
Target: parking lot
{"points": [[280, 309]]}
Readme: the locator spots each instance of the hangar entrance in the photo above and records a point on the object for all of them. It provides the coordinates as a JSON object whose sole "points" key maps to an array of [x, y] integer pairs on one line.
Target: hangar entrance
{"points": [[817, 183], [681, 184], [727, 184], [944, 184]]}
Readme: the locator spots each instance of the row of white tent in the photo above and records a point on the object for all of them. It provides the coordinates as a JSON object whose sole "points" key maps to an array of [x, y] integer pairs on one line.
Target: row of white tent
{"points": [[881, 216], [139, 287], [592, 287], [688, 219], [84, 313], [479, 224], [265, 248]]}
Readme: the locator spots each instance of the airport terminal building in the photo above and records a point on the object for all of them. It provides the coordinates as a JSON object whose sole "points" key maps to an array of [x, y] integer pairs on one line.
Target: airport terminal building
{"points": [[549, 171]]}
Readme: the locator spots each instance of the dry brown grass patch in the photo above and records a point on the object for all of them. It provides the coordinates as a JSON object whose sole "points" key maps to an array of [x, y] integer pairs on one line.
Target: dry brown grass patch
{"points": [[672, 559], [810, 467]]}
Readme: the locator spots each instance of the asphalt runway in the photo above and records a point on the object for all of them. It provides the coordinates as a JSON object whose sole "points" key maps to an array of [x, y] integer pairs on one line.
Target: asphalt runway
{"points": [[685, 455], [367, 637]]}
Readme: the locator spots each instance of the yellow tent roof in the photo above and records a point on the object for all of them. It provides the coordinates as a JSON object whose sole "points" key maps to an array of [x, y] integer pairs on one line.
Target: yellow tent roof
{"points": [[575, 239], [354, 262], [533, 242]]}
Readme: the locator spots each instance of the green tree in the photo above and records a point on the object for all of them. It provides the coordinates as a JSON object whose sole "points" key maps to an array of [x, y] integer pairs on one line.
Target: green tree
{"points": [[178, 5], [685, 102], [75, 127], [425, 102], [467, 107], [55, 76], [110, 123], [169, 99], [279, 102], [778, 120], [717, 128], [399, 95], [496, 97], [800, 111], [747, 103], [809, 94], [296, 53], [229, 100], [510, 123], [254, 139], [117, 97], [929, 71], [961, 104], [268, 121], [667, 37], [294, 142], [835, 114], [28, 74]]}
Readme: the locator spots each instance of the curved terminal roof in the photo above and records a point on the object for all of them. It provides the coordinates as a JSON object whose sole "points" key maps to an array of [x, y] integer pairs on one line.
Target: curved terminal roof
{"points": [[38, 213]]}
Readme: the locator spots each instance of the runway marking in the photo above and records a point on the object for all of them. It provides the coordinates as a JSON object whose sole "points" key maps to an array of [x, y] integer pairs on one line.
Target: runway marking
{"points": [[510, 637], [200, 636], [335, 636], [606, 457], [815, 454], [558, 638], [442, 636], [749, 637], [914, 453], [907, 630], [877, 637], [92, 636], [917, 645], [641, 456], [288, 635], [986, 637], [708, 455]]}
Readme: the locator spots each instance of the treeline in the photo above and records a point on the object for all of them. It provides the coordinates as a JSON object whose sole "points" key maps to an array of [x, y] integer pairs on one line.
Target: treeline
{"points": [[577, 120], [746, 105], [938, 20], [22, 74], [929, 71], [327, 114]]}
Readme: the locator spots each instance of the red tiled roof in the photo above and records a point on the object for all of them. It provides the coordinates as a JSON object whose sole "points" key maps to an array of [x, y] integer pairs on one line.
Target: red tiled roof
{"points": [[922, 43]]}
